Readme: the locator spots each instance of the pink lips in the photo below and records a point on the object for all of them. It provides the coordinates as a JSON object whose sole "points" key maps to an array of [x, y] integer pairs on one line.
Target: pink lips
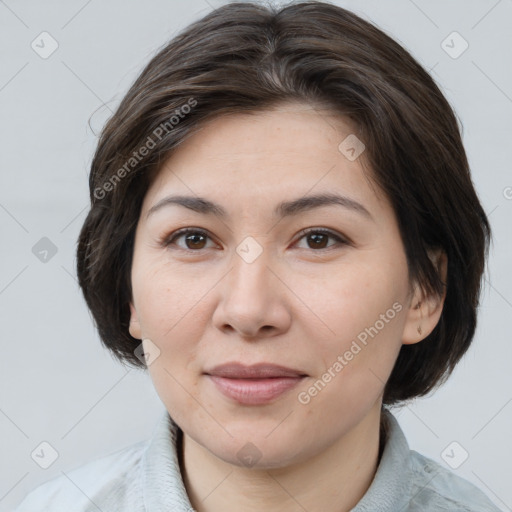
{"points": [[254, 385]]}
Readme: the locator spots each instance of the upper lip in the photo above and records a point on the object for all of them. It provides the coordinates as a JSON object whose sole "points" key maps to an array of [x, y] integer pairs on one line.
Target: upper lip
{"points": [[256, 371]]}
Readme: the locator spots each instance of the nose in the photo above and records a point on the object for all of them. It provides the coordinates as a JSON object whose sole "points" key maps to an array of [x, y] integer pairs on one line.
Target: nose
{"points": [[254, 301]]}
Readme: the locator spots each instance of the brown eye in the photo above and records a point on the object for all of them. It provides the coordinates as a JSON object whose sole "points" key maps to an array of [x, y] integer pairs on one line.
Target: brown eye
{"points": [[195, 239], [318, 238]]}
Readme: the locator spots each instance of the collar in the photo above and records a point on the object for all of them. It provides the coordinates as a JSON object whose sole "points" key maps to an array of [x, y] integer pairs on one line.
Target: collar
{"points": [[163, 487], [390, 488]]}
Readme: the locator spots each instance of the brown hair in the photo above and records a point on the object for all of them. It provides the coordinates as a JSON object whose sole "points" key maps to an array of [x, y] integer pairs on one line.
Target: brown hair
{"points": [[246, 57]]}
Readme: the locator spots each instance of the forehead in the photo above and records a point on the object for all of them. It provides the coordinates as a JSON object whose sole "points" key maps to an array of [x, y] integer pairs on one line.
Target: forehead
{"points": [[287, 151]]}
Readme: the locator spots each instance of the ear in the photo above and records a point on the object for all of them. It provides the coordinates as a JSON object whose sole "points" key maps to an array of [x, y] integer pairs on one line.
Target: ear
{"points": [[424, 311], [134, 327]]}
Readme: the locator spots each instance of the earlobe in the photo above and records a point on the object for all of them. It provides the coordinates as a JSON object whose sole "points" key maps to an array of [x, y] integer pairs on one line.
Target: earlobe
{"points": [[134, 327], [425, 310]]}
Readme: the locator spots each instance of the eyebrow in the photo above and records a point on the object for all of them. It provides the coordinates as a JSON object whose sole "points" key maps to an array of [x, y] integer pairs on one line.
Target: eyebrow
{"points": [[283, 209]]}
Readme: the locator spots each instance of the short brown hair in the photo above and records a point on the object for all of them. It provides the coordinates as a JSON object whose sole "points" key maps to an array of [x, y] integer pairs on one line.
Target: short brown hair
{"points": [[247, 57]]}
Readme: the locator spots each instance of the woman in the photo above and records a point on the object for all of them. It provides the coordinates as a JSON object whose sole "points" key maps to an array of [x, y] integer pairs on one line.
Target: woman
{"points": [[284, 231]]}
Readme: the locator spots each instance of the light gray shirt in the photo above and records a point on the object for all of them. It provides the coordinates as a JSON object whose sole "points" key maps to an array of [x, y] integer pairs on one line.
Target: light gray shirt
{"points": [[146, 477]]}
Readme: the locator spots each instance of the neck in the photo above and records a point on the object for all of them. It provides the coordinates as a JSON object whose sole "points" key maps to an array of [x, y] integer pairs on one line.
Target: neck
{"points": [[333, 480]]}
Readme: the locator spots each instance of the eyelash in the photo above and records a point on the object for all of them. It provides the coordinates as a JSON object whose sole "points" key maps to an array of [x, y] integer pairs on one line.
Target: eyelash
{"points": [[177, 234]]}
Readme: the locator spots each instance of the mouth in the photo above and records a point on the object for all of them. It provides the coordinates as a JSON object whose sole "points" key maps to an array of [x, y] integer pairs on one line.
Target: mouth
{"points": [[254, 385]]}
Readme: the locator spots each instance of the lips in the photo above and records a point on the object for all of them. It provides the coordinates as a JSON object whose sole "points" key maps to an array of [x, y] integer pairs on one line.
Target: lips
{"points": [[254, 385], [256, 371]]}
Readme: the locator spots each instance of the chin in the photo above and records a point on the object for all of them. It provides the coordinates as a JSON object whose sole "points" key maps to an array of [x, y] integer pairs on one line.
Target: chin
{"points": [[258, 450]]}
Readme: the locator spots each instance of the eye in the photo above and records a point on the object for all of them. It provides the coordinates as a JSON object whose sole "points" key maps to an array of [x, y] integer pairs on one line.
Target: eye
{"points": [[317, 238], [195, 239]]}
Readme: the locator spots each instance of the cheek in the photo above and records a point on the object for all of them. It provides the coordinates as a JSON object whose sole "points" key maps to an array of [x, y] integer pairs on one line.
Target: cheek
{"points": [[354, 363], [169, 308], [352, 298], [362, 316], [167, 297]]}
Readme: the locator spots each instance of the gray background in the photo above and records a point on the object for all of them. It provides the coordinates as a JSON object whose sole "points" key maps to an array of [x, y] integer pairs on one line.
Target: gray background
{"points": [[57, 383]]}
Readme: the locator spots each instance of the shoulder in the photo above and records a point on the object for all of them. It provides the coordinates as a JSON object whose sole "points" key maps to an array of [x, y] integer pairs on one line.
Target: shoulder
{"points": [[437, 488], [112, 478]]}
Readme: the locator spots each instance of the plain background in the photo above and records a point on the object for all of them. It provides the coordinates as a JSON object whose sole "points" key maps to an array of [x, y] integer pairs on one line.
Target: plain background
{"points": [[57, 382]]}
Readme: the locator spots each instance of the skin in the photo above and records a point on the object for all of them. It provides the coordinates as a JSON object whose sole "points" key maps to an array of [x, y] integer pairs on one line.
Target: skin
{"points": [[295, 305]]}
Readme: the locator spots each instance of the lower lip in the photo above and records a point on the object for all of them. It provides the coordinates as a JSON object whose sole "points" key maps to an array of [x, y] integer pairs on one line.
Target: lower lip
{"points": [[254, 391]]}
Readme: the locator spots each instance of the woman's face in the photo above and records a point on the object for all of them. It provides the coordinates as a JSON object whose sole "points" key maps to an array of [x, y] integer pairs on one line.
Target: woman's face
{"points": [[249, 287]]}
